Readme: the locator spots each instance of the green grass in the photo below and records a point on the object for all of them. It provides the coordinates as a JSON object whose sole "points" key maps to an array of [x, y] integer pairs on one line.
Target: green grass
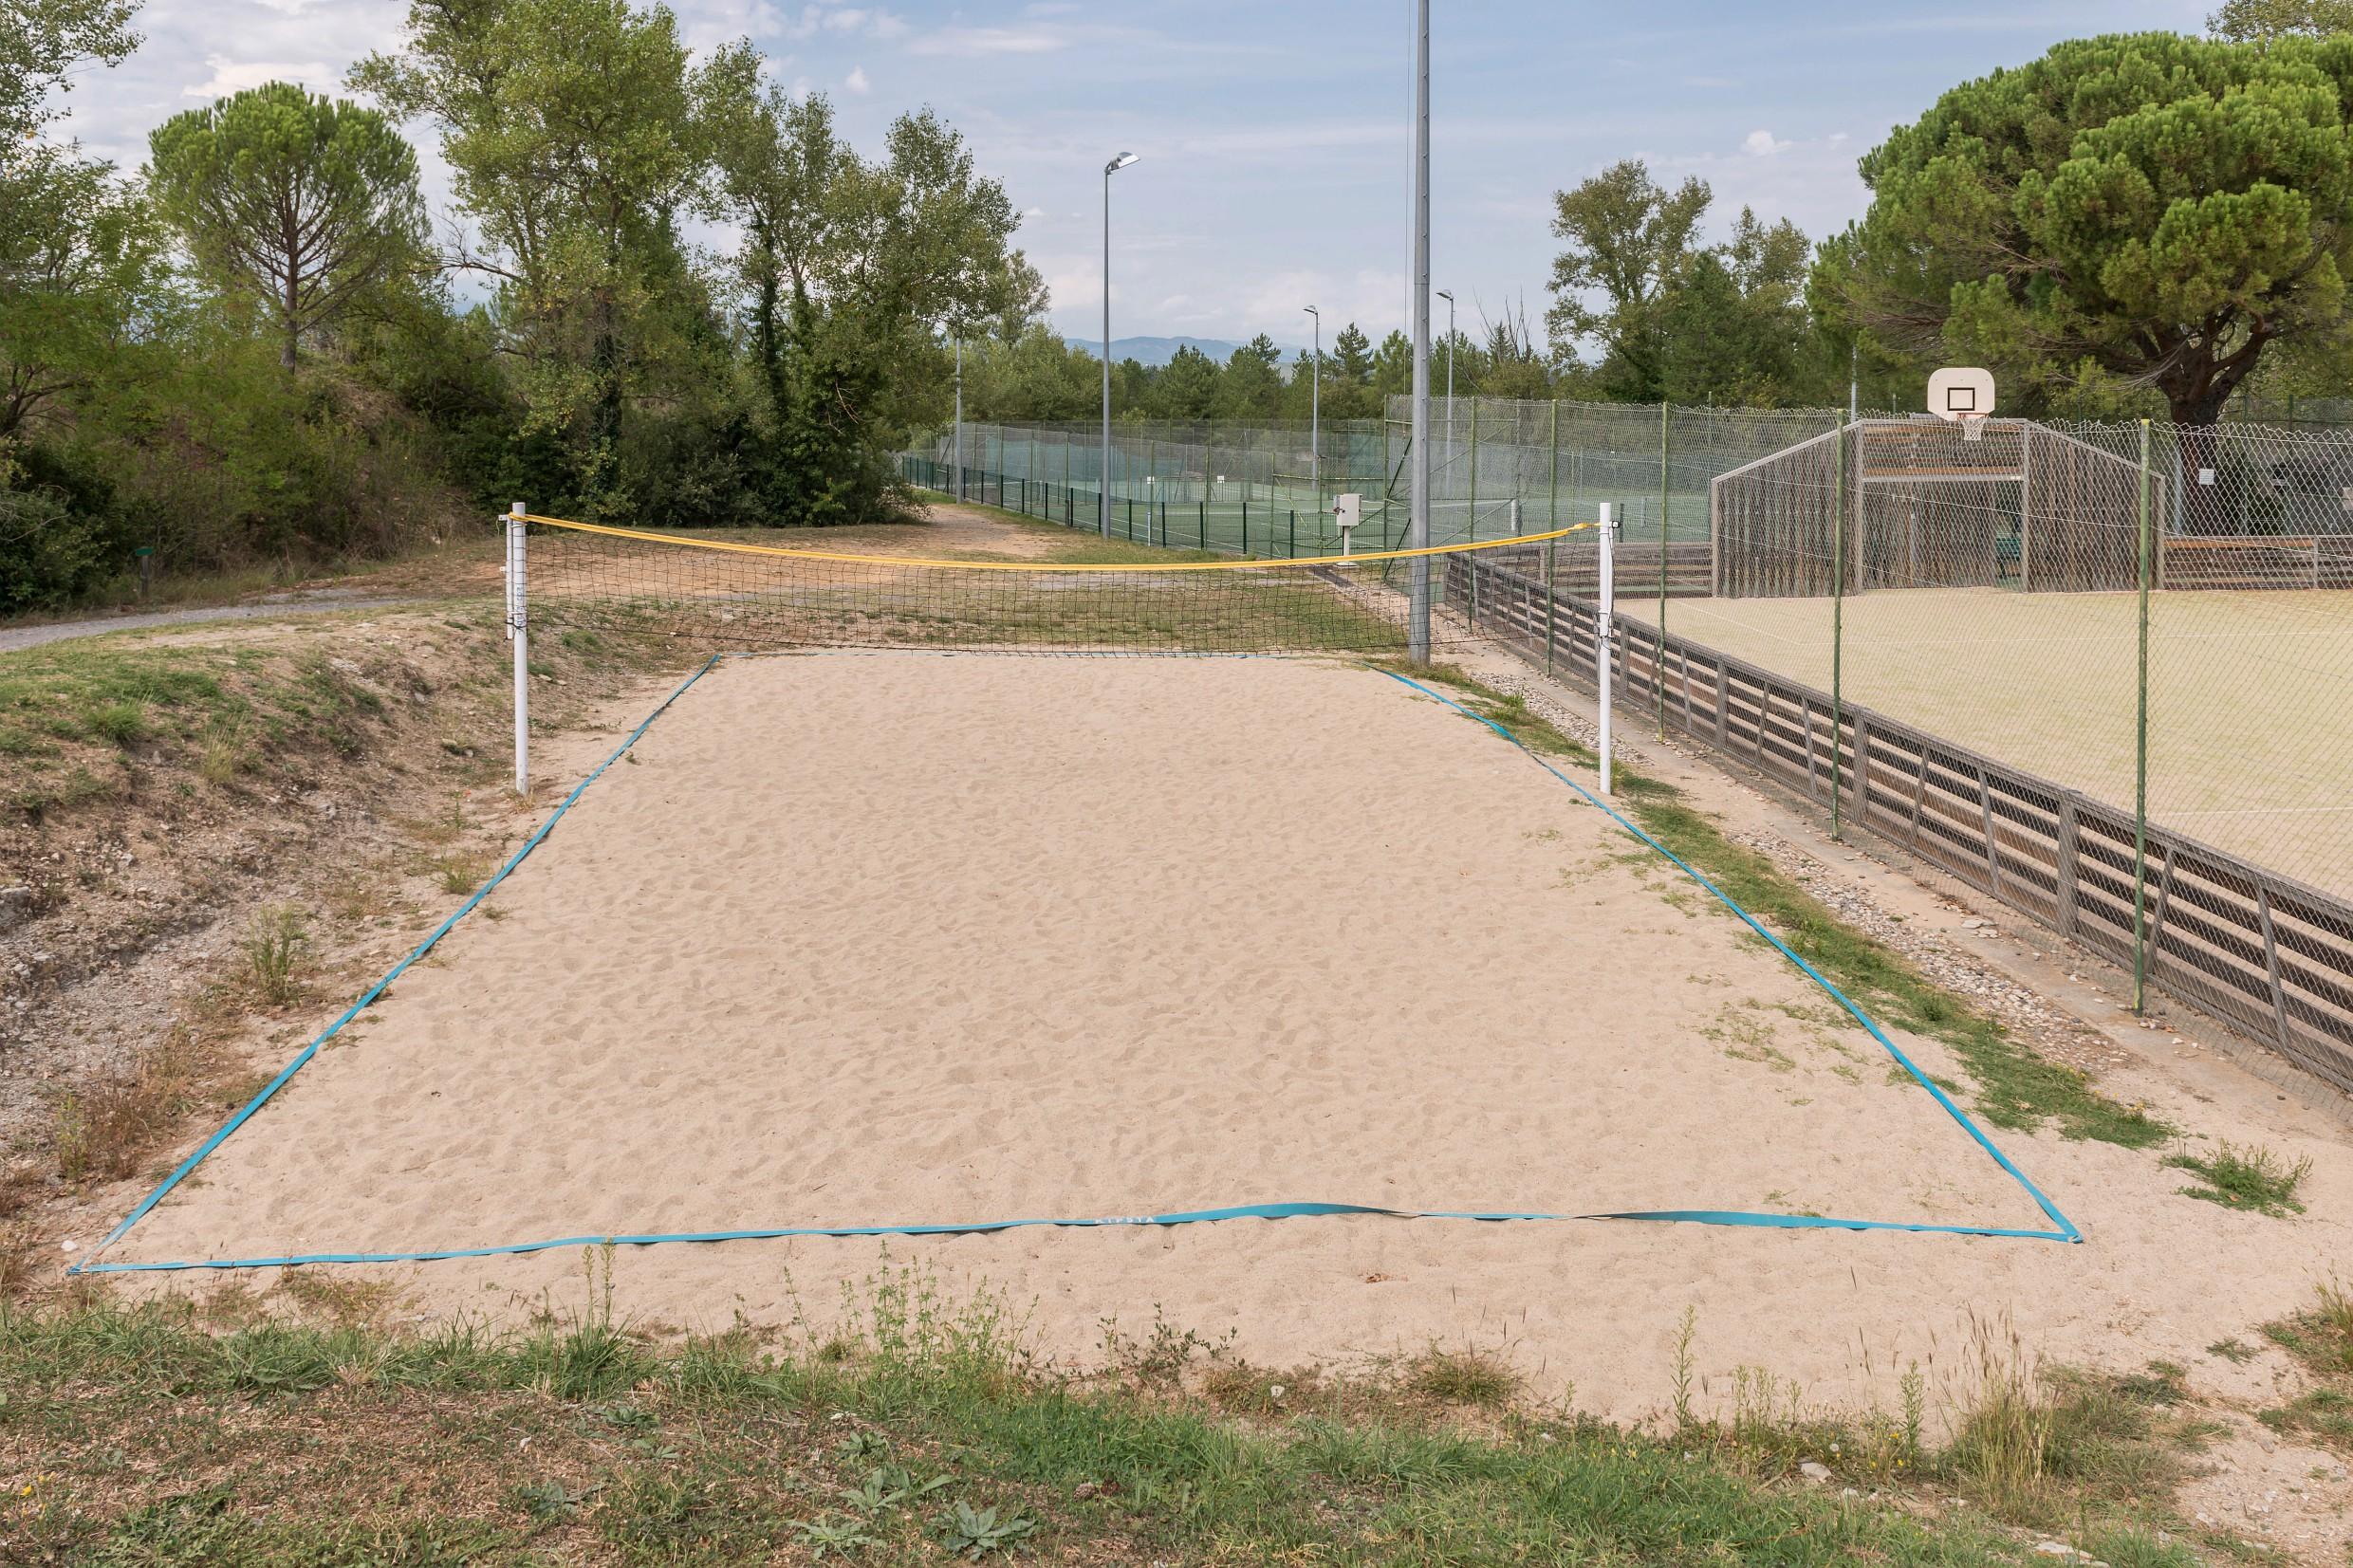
{"points": [[2251, 1178], [2015, 1088], [225, 707], [2321, 1339], [148, 1436]]}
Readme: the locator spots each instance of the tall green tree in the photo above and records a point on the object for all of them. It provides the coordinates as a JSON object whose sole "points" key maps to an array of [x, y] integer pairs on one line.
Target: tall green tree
{"points": [[300, 203], [1627, 240], [79, 260], [1036, 375], [2247, 21], [1393, 365], [41, 43], [1251, 387], [572, 131], [856, 270], [1734, 324], [2136, 211], [1190, 386], [83, 274]]}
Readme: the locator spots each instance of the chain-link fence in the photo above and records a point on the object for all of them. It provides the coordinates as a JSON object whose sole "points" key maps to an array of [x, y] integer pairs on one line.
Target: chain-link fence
{"points": [[2105, 669]]}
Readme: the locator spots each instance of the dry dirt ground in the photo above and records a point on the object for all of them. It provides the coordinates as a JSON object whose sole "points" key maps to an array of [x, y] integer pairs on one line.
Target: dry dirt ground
{"points": [[141, 943]]}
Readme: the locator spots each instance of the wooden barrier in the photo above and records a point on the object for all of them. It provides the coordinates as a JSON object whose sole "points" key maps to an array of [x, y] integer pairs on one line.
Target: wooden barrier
{"points": [[2259, 951], [1577, 565], [2313, 560]]}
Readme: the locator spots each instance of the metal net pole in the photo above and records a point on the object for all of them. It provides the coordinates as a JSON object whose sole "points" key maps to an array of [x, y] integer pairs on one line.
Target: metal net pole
{"points": [[1418, 611]]}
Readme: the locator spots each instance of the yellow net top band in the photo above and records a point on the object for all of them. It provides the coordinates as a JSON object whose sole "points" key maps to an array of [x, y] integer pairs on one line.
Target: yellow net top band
{"points": [[1048, 566]]}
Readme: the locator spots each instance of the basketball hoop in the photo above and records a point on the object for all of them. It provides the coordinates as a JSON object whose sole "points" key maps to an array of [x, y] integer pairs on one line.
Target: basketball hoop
{"points": [[1964, 395]]}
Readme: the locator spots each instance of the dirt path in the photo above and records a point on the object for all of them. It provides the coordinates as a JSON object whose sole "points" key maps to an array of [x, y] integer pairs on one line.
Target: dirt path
{"points": [[272, 607]]}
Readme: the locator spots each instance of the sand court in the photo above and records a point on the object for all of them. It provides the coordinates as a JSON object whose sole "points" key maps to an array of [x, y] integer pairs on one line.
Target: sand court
{"points": [[945, 938]]}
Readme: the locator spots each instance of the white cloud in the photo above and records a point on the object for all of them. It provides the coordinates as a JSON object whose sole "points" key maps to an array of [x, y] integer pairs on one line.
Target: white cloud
{"points": [[844, 22], [1038, 40], [856, 82], [231, 75], [1762, 144]]}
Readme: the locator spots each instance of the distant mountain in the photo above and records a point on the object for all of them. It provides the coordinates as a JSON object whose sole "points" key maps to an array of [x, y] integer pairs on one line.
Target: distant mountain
{"points": [[1160, 350]]}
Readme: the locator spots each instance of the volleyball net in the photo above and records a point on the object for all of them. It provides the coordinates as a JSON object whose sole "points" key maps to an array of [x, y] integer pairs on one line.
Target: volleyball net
{"points": [[731, 595]]}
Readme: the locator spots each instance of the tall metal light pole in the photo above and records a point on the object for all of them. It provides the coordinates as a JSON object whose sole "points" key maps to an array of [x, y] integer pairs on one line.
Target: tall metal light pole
{"points": [[959, 418], [1450, 378], [1315, 410], [1418, 528], [1109, 169]]}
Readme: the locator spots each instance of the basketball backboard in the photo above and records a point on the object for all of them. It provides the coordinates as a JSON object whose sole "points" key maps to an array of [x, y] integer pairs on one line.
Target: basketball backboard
{"points": [[1960, 392]]}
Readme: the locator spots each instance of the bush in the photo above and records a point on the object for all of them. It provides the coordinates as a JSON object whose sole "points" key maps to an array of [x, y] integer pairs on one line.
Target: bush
{"points": [[62, 533]]}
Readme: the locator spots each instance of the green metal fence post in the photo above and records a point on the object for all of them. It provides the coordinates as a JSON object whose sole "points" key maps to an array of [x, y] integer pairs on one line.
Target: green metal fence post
{"points": [[1553, 513], [2140, 754], [1659, 649], [1548, 558], [1474, 475], [1838, 615]]}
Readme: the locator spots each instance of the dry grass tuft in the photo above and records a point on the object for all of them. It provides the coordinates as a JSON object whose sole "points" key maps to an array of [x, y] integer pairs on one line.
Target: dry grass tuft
{"points": [[275, 948]]}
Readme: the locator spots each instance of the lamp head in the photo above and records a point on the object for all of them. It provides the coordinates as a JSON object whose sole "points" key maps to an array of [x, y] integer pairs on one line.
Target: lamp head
{"points": [[1118, 163], [1444, 295]]}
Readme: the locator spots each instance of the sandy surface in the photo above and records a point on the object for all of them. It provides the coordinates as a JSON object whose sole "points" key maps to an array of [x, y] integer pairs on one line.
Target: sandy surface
{"points": [[2249, 743], [917, 937]]}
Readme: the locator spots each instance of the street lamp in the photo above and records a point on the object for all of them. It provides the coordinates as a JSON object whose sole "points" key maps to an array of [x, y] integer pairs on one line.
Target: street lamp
{"points": [[1449, 379], [1315, 410], [1417, 269], [1109, 169], [959, 416]]}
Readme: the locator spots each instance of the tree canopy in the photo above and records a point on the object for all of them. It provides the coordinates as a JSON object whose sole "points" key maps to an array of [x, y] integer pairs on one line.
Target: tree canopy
{"points": [[299, 202], [2145, 209]]}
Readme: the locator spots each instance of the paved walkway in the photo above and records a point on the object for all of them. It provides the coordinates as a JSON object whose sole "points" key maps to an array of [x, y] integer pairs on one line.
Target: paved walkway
{"points": [[14, 637]]}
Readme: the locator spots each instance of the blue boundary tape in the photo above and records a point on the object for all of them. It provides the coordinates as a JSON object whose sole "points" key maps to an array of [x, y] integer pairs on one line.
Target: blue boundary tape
{"points": [[2064, 1232]]}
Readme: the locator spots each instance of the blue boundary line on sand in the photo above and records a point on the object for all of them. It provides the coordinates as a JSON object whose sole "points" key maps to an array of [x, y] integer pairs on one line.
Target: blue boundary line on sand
{"points": [[2066, 1230]]}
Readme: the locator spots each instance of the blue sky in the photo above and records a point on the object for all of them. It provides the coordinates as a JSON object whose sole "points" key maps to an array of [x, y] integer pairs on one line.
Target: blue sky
{"points": [[1272, 133]]}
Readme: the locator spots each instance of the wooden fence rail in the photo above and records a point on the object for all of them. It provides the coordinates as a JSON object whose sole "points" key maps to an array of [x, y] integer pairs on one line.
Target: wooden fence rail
{"points": [[2260, 951]]}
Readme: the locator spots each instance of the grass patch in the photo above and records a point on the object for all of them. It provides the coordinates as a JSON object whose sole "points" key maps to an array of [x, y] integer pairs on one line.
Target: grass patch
{"points": [[2321, 1339], [2016, 1089], [459, 872], [139, 1435], [2251, 1178], [218, 710]]}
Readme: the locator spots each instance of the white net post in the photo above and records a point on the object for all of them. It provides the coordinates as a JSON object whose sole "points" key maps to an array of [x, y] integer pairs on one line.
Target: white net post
{"points": [[1606, 632], [518, 632]]}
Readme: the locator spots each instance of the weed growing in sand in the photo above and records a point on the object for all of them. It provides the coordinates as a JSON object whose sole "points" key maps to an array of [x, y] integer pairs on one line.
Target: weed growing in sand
{"points": [[1686, 1336], [1462, 1378], [1162, 1357], [458, 873], [274, 947], [2002, 1428], [2251, 1178]]}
